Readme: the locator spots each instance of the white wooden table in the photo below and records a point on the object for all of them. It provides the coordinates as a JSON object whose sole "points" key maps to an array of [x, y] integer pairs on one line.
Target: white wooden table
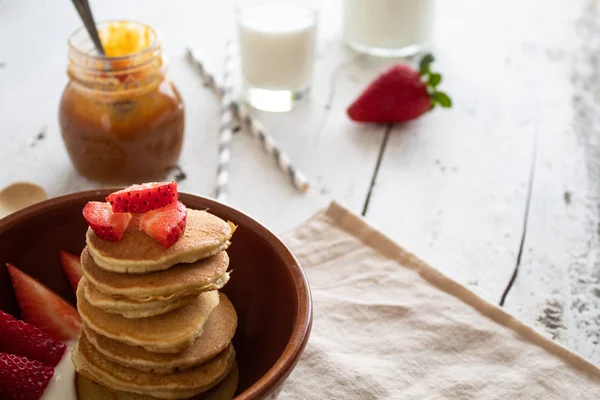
{"points": [[506, 181]]}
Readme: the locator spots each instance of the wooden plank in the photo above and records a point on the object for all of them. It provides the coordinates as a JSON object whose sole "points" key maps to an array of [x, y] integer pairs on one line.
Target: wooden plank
{"points": [[452, 186], [337, 156], [558, 284]]}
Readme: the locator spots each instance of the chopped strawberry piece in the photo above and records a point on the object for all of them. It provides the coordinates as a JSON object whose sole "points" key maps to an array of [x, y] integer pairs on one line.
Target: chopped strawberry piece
{"points": [[71, 265], [143, 198], [43, 308], [165, 225], [21, 338], [105, 223], [22, 378]]}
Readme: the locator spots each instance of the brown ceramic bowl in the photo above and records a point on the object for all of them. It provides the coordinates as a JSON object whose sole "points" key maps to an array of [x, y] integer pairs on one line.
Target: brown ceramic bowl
{"points": [[268, 287]]}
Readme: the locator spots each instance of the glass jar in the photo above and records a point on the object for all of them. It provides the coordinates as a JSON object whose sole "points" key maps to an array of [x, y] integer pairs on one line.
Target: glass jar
{"points": [[387, 28], [121, 118]]}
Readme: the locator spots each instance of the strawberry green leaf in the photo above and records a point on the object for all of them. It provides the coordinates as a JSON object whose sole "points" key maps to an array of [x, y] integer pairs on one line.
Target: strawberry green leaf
{"points": [[442, 99], [434, 80], [424, 63]]}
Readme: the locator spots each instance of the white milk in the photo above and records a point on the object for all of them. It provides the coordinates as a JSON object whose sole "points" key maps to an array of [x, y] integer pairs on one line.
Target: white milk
{"points": [[277, 45], [62, 384], [387, 24]]}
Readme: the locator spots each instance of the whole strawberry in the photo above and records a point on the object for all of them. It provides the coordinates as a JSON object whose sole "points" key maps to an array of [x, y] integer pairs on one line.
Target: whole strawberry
{"points": [[400, 94]]}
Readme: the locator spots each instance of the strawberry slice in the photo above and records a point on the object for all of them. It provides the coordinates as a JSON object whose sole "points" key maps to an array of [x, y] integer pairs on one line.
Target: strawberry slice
{"points": [[71, 265], [143, 198], [43, 308], [22, 378], [165, 225], [26, 340], [105, 223]]}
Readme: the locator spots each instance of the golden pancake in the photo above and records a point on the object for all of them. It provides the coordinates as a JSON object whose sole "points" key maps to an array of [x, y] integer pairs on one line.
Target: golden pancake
{"points": [[216, 336], [181, 280], [137, 253], [166, 333], [87, 389], [89, 362], [131, 308]]}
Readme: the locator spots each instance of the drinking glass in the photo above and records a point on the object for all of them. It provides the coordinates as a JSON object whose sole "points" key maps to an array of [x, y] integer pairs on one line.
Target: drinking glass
{"points": [[388, 28], [277, 41]]}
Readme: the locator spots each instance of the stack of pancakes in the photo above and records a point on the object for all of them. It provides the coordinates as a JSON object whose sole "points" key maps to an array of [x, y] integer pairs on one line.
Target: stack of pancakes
{"points": [[155, 323]]}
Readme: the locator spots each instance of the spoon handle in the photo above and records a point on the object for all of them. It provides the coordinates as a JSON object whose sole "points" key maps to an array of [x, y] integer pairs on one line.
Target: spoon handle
{"points": [[85, 12]]}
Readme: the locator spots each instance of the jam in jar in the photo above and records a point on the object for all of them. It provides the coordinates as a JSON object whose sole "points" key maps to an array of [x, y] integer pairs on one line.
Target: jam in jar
{"points": [[121, 119]]}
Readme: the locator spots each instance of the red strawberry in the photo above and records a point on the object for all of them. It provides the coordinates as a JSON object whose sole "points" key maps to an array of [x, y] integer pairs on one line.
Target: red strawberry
{"points": [[105, 223], [400, 94], [43, 308], [22, 378], [26, 340], [165, 225], [71, 265], [143, 198]]}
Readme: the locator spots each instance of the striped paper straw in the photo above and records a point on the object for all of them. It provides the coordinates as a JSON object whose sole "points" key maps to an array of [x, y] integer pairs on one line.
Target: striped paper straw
{"points": [[282, 160], [254, 127], [207, 78], [225, 130]]}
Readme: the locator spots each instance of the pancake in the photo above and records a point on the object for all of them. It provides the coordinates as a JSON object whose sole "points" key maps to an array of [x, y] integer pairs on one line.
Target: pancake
{"points": [[181, 280], [131, 308], [87, 389], [137, 253], [166, 333], [89, 362], [216, 336]]}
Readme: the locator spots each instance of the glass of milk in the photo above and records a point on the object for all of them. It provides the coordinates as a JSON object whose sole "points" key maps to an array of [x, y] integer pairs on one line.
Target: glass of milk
{"points": [[277, 40], [387, 28]]}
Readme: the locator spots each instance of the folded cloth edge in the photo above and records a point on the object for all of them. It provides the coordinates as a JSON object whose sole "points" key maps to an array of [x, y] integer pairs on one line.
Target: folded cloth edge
{"points": [[361, 229]]}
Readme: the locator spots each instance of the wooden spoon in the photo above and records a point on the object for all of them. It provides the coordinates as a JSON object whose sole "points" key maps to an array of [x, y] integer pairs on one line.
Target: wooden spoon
{"points": [[20, 195]]}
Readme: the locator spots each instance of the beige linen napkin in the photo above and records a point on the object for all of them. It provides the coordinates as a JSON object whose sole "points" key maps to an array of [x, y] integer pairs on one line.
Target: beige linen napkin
{"points": [[388, 326]]}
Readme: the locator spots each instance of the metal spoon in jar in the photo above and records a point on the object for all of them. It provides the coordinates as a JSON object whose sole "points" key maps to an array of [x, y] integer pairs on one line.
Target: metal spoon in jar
{"points": [[20, 195], [85, 12]]}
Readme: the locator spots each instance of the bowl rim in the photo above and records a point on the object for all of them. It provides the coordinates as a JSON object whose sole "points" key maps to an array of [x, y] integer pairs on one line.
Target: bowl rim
{"points": [[302, 326]]}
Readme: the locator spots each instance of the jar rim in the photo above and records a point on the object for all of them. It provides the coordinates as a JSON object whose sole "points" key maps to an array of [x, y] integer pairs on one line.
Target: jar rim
{"points": [[76, 47]]}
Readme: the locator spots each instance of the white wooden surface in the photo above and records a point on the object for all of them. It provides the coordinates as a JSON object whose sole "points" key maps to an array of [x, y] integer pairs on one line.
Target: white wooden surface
{"points": [[558, 285], [452, 186]]}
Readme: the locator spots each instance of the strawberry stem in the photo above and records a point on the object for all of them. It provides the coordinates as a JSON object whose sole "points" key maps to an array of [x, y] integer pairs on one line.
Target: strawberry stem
{"points": [[432, 80]]}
